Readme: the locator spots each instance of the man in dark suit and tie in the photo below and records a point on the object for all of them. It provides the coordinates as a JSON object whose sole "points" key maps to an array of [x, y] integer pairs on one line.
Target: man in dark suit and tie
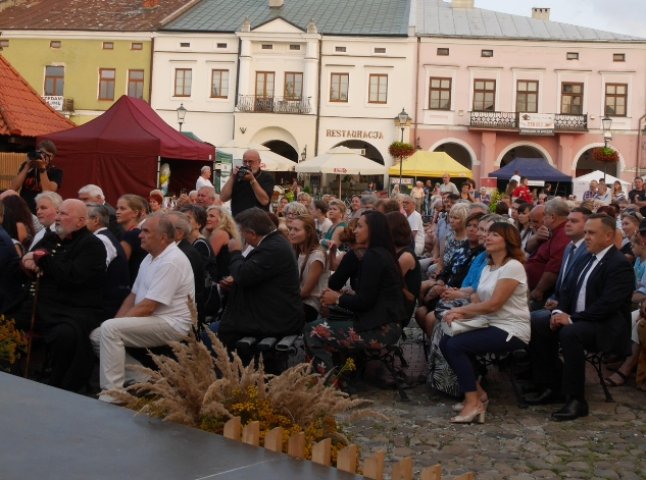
{"points": [[593, 314]]}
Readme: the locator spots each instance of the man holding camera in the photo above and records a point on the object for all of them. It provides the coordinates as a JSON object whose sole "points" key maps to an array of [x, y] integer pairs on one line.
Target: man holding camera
{"points": [[38, 174], [248, 186]]}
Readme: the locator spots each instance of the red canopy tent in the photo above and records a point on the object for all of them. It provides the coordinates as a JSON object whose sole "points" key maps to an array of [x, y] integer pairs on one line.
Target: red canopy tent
{"points": [[122, 149]]}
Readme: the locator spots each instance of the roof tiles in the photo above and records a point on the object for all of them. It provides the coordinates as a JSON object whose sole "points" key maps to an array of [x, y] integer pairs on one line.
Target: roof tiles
{"points": [[22, 111], [93, 15]]}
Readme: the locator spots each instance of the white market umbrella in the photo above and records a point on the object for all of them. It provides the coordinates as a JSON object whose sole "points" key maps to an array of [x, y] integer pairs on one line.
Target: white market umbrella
{"points": [[341, 161], [269, 161]]}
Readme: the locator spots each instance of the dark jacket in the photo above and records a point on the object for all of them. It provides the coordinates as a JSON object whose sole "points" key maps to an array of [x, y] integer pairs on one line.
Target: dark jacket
{"points": [[377, 283], [607, 299], [265, 299], [199, 274], [11, 292], [71, 294], [117, 286]]}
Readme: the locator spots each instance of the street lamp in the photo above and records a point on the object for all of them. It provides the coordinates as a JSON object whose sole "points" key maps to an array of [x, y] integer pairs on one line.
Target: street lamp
{"points": [[181, 115], [403, 120], [606, 124]]}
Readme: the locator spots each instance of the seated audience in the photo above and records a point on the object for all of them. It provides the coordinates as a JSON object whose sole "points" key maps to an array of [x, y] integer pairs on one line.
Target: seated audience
{"points": [[500, 306], [117, 285], [155, 312], [376, 305], [312, 265], [71, 265], [94, 194], [451, 276], [264, 298], [131, 209], [182, 232], [18, 222], [10, 291], [47, 204], [593, 313], [544, 263], [408, 264], [336, 213]]}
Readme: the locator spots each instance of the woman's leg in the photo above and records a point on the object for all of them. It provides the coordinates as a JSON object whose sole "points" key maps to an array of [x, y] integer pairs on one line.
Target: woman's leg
{"points": [[459, 349]]}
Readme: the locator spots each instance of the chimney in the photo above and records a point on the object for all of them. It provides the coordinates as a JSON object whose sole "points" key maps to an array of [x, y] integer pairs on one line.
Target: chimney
{"points": [[151, 3], [276, 3], [463, 3], [541, 13]]}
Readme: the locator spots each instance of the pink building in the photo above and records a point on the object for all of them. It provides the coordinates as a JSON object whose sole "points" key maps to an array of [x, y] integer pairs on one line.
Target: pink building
{"points": [[493, 86]]}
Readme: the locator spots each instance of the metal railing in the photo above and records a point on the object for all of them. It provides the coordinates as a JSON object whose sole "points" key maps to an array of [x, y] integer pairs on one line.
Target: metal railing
{"points": [[509, 121], [254, 103]]}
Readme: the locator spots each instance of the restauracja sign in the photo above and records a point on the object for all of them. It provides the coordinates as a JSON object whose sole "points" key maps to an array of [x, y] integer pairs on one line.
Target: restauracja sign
{"points": [[374, 134]]}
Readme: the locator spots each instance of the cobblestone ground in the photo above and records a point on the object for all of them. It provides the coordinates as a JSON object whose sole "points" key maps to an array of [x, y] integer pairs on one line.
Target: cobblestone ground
{"points": [[514, 443]]}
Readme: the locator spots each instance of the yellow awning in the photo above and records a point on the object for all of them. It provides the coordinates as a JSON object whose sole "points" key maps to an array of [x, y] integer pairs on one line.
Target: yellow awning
{"points": [[430, 164]]}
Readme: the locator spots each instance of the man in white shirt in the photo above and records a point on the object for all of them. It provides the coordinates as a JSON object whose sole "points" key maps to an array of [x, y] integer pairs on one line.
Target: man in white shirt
{"points": [[204, 180], [416, 223], [156, 312]]}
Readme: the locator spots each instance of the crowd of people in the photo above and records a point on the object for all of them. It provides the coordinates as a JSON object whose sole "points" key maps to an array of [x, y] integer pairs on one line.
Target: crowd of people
{"points": [[556, 277]]}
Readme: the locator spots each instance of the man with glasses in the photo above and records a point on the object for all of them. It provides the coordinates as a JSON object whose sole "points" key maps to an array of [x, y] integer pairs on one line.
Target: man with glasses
{"points": [[38, 174], [248, 186]]}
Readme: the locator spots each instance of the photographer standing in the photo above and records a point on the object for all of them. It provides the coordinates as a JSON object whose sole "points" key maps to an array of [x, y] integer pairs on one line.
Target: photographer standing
{"points": [[248, 186], [38, 174]]}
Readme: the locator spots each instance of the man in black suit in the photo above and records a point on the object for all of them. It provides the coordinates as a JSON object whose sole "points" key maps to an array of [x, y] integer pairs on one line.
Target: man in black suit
{"points": [[265, 299], [593, 314]]}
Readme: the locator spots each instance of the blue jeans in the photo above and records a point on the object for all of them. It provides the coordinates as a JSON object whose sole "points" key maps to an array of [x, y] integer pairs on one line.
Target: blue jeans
{"points": [[459, 350]]}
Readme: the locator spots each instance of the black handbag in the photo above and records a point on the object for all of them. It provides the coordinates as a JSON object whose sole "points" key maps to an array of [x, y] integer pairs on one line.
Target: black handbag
{"points": [[337, 313]]}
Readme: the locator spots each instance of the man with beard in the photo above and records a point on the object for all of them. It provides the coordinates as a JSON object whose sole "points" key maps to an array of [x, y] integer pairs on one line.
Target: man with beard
{"points": [[71, 266]]}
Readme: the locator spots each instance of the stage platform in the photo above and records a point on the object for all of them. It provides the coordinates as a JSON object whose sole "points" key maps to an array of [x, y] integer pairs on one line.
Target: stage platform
{"points": [[47, 433]]}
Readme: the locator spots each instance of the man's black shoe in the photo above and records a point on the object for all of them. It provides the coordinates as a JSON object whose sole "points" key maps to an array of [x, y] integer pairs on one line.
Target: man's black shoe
{"points": [[544, 397], [572, 410]]}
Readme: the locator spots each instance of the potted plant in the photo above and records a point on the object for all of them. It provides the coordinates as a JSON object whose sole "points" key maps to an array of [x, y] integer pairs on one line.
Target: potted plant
{"points": [[12, 343], [401, 149], [605, 154]]}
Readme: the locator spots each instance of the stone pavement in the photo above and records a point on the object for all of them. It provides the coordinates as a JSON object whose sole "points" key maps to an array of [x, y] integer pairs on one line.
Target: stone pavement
{"points": [[514, 443]]}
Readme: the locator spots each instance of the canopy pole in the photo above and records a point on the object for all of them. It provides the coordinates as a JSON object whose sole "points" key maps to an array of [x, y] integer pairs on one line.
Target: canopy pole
{"points": [[158, 171]]}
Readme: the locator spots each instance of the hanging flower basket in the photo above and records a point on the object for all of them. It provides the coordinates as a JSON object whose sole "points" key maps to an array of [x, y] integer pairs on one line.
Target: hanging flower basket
{"points": [[605, 154], [401, 149]]}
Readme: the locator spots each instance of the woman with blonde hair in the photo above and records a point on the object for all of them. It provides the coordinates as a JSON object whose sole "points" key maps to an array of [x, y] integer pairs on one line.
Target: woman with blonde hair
{"points": [[131, 210], [220, 228], [336, 213]]}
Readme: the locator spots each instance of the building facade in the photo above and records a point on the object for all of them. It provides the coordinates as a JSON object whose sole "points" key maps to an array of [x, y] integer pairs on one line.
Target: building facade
{"points": [[494, 86], [297, 78], [81, 56]]}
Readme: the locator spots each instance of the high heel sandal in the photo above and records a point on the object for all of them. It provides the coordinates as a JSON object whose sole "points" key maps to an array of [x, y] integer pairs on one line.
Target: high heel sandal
{"points": [[478, 415], [457, 407]]}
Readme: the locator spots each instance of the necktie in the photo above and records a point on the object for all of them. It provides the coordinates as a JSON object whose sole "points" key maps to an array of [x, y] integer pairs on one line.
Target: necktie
{"points": [[569, 254], [581, 278]]}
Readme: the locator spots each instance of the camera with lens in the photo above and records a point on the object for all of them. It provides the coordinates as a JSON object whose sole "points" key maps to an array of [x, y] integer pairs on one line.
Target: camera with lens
{"points": [[35, 155], [242, 171]]}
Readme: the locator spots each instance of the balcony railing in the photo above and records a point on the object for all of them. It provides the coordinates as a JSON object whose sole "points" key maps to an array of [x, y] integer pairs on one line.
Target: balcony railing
{"points": [[509, 121], [253, 103]]}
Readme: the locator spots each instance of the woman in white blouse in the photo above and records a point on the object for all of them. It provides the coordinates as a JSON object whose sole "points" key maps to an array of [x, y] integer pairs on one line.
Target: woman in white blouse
{"points": [[499, 308]]}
